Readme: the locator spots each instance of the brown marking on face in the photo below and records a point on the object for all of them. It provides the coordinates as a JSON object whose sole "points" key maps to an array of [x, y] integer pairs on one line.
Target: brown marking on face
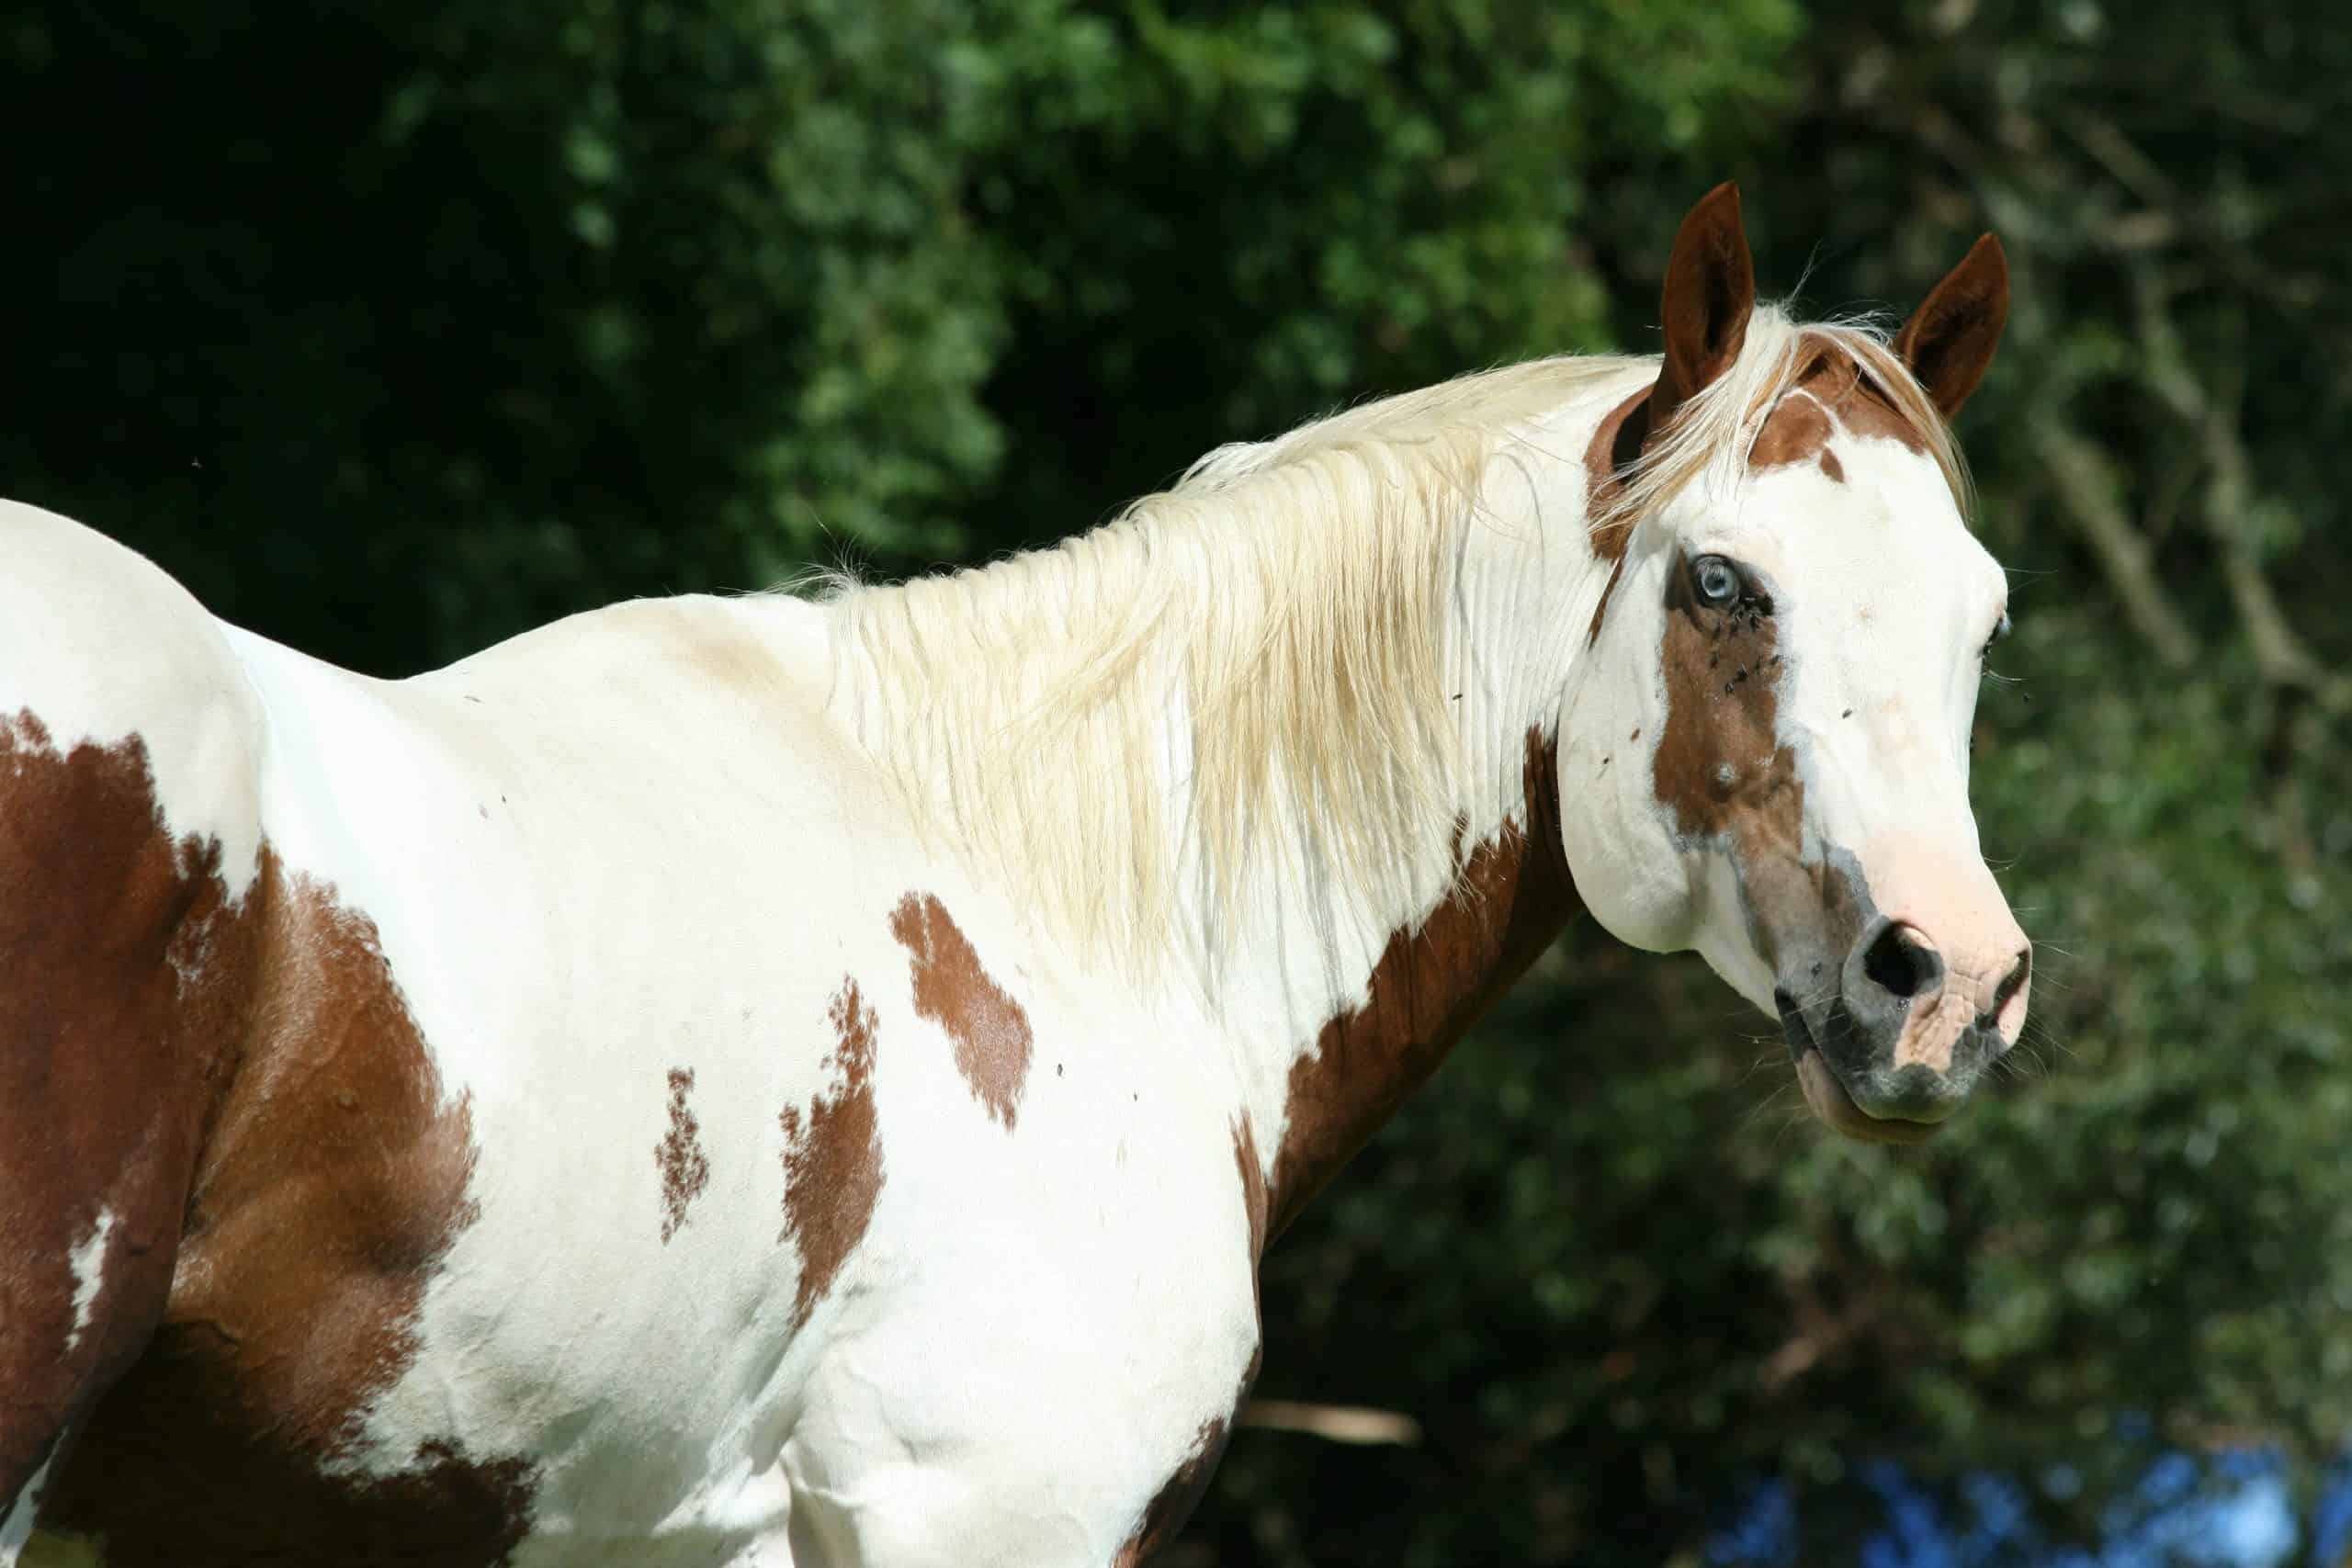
{"points": [[1797, 431], [1723, 771], [328, 1185], [1513, 896], [1864, 410], [1720, 766], [685, 1171], [989, 1030], [1832, 397], [832, 1157]]}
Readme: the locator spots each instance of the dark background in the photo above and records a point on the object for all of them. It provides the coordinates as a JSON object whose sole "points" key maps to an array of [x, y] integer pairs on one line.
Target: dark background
{"points": [[393, 329]]}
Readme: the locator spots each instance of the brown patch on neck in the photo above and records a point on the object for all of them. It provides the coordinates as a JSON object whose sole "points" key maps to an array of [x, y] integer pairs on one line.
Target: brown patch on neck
{"points": [[1513, 896], [685, 1170], [989, 1029], [1831, 397], [832, 1157], [1254, 1205], [332, 1184]]}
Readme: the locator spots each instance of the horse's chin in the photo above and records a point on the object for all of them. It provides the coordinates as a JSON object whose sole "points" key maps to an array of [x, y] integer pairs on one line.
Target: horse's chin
{"points": [[1830, 1102]]}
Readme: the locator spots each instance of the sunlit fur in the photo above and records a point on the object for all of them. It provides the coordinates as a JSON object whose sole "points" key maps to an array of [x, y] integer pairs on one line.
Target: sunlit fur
{"points": [[1273, 631]]}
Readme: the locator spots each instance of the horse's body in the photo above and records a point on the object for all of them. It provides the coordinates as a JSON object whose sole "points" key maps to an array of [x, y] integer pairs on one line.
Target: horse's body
{"points": [[586, 1105], [650, 954]]}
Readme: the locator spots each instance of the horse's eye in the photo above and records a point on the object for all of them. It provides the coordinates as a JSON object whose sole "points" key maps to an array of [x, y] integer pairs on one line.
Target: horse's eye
{"points": [[1717, 579], [1999, 632]]}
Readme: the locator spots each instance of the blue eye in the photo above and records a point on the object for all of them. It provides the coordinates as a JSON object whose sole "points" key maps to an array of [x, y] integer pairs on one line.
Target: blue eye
{"points": [[1717, 579]]}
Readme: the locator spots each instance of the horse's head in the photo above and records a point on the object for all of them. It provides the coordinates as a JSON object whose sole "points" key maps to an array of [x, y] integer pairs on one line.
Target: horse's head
{"points": [[1771, 726]]}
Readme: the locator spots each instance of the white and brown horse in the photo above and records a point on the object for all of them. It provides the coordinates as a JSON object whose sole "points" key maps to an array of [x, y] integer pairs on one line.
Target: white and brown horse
{"points": [[809, 1079]]}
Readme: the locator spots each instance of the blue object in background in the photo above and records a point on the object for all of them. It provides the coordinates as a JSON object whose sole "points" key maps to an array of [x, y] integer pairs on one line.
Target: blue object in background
{"points": [[2228, 1510]]}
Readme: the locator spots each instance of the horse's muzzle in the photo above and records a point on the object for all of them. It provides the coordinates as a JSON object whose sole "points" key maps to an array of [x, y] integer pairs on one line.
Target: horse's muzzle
{"points": [[1898, 1048]]}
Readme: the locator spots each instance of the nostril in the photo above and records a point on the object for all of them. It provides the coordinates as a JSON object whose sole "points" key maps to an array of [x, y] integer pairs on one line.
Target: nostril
{"points": [[1901, 962], [2014, 982]]}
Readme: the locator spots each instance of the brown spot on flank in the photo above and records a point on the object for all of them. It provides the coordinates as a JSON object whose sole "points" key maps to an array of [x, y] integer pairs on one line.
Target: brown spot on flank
{"points": [[989, 1031], [832, 1156], [332, 1180], [685, 1171], [1512, 898], [125, 983]]}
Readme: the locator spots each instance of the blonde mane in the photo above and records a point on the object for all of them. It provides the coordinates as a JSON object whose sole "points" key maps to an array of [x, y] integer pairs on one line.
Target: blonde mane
{"points": [[1269, 634]]}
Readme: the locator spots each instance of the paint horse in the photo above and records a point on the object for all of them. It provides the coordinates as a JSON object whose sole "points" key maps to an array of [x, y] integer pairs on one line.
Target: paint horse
{"points": [[808, 1078]]}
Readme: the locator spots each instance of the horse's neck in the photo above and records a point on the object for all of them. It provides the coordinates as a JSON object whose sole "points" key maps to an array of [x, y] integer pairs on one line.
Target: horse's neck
{"points": [[1430, 983], [1359, 1043]]}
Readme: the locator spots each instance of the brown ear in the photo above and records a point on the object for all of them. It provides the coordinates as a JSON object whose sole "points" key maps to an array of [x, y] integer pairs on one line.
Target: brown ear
{"points": [[1950, 339], [1709, 293]]}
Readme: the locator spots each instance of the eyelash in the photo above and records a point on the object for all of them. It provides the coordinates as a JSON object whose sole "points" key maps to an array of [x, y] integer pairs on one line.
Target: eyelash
{"points": [[1999, 632]]}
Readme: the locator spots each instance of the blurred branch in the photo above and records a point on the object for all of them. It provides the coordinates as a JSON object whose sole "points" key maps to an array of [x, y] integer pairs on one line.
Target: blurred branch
{"points": [[2087, 498], [2139, 174], [2209, 406], [1333, 1423]]}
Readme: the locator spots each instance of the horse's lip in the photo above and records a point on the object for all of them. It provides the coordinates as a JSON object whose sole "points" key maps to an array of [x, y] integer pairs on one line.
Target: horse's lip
{"points": [[1827, 1093]]}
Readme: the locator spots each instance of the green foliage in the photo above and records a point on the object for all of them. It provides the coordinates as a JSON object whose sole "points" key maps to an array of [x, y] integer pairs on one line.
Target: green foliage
{"points": [[394, 328]]}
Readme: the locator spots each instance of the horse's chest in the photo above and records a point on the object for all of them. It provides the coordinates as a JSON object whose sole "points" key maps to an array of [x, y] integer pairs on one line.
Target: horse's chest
{"points": [[1063, 1340]]}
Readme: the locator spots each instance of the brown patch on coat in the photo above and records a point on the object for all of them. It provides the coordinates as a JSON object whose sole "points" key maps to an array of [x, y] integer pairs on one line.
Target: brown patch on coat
{"points": [[1833, 396], [1253, 1188], [328, 1181], [989, 1030], [110, 1059], [832, 1157], [1514, 896], [685, 1170]]}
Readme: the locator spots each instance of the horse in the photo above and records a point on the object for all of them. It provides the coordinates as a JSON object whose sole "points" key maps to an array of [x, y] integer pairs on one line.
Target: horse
{"points": [[808, 1077]]}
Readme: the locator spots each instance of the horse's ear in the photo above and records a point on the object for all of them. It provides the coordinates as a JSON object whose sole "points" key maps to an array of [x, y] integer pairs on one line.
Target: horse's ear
{"points": [[1709, 293], [1950, 339]]}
